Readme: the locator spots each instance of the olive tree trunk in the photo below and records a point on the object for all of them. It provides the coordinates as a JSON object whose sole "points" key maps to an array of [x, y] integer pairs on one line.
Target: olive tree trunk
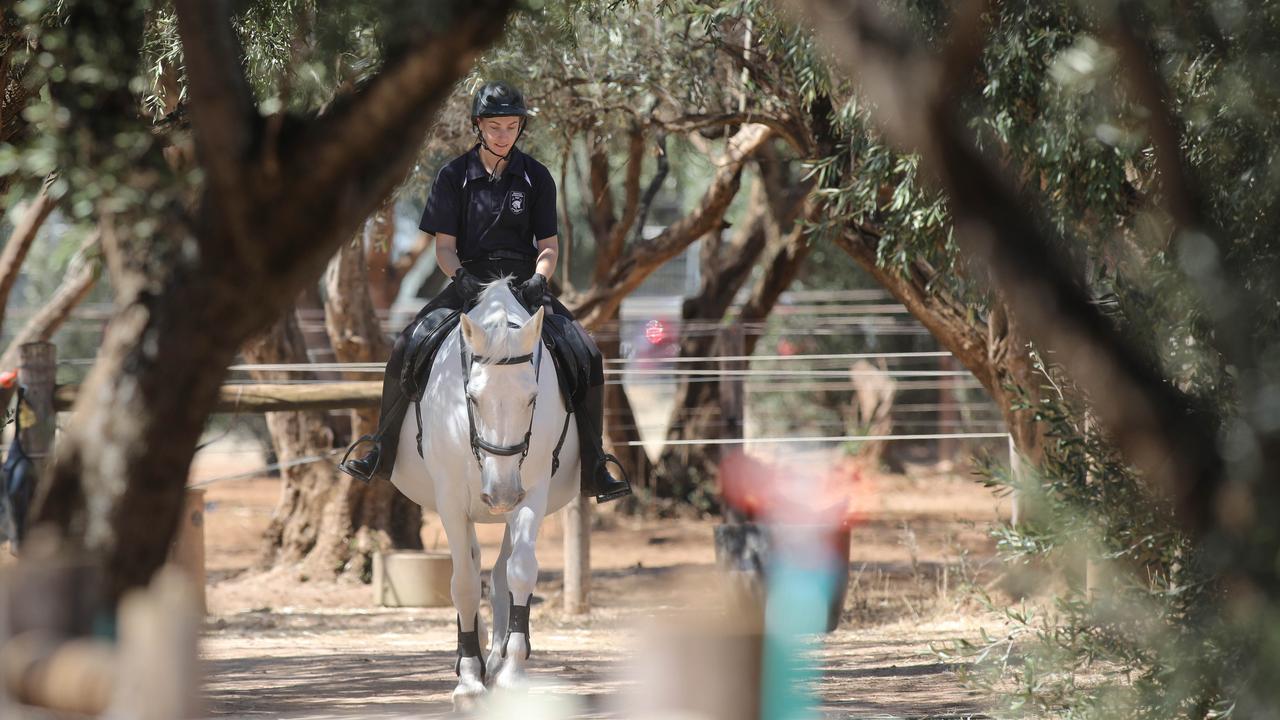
{"points": [[195, 281]]}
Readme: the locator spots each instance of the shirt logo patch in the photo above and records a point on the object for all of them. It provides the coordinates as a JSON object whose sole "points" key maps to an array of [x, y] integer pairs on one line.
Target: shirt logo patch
{"points": [[517, 202]]}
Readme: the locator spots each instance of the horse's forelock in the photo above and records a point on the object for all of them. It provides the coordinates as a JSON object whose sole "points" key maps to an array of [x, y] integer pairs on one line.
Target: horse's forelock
{"points": [[493, 290], [501, 339]]}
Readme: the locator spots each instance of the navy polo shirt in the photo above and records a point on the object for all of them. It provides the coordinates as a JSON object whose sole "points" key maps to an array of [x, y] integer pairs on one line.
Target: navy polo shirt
{"points": [[512, 213]]}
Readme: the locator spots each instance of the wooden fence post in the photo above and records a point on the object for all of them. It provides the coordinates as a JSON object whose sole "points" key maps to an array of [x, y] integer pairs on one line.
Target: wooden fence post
{"points": [[576, 520], [37, 372], [1015, 472]]}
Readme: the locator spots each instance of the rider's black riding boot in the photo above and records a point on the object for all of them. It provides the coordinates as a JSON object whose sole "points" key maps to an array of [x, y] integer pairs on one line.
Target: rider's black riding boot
{"points": [[382, 455], [596, 479]]}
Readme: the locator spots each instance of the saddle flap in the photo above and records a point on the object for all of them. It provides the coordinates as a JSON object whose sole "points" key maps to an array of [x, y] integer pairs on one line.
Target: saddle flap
{"points": [[572, 356], [428, 334]]}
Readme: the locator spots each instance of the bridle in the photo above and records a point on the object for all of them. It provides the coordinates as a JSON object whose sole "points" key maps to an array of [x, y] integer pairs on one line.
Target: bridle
{"points": [[478, 443]]}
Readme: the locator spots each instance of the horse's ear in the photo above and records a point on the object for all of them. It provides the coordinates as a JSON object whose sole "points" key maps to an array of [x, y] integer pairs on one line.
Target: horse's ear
{"points": [[531, 333], [472, 334]]}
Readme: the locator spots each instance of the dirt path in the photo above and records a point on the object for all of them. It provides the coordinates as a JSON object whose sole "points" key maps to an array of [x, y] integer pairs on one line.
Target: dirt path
{"points": [[278, 646]]}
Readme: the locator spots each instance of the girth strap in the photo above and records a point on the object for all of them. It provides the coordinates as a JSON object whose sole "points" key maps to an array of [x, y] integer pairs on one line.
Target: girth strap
{"points": [[564, 431]]}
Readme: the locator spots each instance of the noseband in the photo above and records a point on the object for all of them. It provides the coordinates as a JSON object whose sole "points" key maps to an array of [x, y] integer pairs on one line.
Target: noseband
{"points": [[478, 443]]}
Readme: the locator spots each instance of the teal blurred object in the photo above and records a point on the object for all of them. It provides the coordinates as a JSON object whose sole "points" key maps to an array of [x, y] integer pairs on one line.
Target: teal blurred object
{"points": [[800, 582]]}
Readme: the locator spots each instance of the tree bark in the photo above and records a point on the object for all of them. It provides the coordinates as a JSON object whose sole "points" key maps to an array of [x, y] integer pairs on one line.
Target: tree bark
{"points": [[15, 90], [277, 200], [381, 518], [383, 276]]}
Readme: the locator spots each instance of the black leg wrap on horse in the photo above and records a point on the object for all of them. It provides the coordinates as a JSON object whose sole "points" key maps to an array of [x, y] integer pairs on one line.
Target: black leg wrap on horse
{"points": [[519, 622], [468, 646]]}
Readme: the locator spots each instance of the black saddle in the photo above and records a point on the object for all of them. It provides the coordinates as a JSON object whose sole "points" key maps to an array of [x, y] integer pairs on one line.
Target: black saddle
{"points": [[578, 366]]}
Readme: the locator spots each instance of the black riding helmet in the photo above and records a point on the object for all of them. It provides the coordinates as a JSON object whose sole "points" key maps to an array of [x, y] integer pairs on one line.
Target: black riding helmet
{"points": [[498, 99]]}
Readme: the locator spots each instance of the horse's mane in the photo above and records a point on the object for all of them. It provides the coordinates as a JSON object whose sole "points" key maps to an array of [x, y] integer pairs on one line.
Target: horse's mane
{"points": [[495, 317]]}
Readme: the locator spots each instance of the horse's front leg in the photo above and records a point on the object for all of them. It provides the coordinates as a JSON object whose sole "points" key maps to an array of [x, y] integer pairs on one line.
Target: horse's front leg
{"points": [[500, 600], [522, 575], [465, 589]]}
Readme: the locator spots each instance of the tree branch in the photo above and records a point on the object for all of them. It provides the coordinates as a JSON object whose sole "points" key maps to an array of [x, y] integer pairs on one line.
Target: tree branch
{"points": [[351, 157], [650, 192], [944, 318], [600, 202], [645, 256], [20, 240], [631, 195], [80, 278], [792, 132], [225, 123]]}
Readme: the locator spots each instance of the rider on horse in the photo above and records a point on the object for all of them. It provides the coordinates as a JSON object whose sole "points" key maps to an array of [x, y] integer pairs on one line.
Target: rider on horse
{"points": [[493, 213]]}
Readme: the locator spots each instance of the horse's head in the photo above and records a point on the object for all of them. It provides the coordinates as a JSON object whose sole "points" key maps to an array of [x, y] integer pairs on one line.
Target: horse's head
{"points": [[501, 390]]}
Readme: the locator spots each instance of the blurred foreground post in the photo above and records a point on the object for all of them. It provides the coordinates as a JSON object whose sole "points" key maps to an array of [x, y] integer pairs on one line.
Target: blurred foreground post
{"points": [[61, 655], [188, 548]]}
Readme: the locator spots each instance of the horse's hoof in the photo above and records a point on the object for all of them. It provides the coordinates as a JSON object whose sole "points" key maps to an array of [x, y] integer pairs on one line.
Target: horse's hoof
{"points": [[467, 696], [470, 685], [511, 677]]}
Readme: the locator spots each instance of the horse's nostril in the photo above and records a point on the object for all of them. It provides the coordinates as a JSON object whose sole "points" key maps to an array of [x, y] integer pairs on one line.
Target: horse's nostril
{"points": [[484, 498], [520, 497]]}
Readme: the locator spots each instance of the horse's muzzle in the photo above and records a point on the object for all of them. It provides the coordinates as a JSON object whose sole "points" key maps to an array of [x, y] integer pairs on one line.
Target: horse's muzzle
{"points": [[497, 507]]}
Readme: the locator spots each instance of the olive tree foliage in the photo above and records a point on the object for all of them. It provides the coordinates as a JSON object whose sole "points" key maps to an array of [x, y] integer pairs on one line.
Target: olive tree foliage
{"points": [[1110, 174], [627, 100]]}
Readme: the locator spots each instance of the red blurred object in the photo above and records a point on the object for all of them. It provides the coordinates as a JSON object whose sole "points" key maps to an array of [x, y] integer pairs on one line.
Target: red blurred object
{"points": [[8, 379], [802, 493], [655, 332], [786, 347]]}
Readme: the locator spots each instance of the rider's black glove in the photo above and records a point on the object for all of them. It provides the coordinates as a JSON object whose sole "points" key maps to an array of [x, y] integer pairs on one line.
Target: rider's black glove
{"points": [[468, 285], [532, 290]]}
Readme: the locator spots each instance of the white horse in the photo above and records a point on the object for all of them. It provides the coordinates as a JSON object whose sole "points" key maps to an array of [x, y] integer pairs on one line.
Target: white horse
{"points": [[491, 417]]}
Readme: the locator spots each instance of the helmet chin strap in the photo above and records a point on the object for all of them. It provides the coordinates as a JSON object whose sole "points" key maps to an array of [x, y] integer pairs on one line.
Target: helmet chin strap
{"points": [[493, 176]]}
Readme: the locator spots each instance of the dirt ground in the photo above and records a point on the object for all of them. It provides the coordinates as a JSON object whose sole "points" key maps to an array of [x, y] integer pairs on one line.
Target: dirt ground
{"points": [[281, 645]]}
